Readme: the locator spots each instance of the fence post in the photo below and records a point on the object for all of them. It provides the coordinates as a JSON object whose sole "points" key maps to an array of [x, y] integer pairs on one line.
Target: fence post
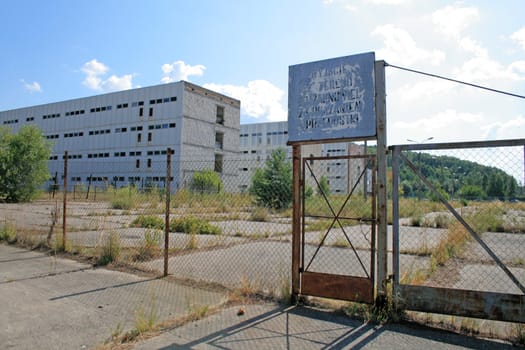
{"points": [[296, 221], [64, 213], [167, 218], [382, 257]]}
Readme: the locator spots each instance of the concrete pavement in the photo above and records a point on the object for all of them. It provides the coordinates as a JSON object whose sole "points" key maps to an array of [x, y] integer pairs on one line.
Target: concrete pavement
{"points": [[56, 303]]}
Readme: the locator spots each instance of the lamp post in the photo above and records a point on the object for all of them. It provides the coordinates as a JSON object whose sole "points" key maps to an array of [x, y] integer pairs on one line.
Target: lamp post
{"points": [[419, 160]]}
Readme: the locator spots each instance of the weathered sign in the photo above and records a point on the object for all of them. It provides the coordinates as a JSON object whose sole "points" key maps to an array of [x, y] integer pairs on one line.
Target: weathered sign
{"points": [[332, 99]]}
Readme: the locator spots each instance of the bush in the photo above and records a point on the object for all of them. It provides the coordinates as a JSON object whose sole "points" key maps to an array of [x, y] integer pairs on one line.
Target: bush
{"points": [[272, 185], [148, 221], [194, 225]]}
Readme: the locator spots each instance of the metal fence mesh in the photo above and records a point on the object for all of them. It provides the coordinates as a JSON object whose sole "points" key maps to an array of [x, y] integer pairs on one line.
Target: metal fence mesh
{"points": [[482, 185]]}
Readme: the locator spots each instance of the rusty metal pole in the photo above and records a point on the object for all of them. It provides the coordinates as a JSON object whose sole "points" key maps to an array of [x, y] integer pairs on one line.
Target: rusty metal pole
{"points": [[64, 216], [382, 257], [167, 217], [296, 221]]}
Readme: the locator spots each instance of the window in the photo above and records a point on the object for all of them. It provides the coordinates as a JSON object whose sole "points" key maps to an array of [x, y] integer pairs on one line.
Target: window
{"points": [[137, 163], [218, 163], [220, 115], [149, 162], [219, 140], [151, 111], [139, 137], [150, 136], [141, 111]]}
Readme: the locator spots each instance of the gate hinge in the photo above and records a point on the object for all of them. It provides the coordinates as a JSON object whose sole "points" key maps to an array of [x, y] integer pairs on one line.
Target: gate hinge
{"points": [[301, 269]]}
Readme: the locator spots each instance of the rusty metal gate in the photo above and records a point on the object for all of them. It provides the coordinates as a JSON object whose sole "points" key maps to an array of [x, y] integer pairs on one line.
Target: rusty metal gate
{"points": [[465, 255], [338, 230]]}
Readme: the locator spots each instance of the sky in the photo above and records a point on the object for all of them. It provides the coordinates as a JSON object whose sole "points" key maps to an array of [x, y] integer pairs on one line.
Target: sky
{"points": [[58, 50]]}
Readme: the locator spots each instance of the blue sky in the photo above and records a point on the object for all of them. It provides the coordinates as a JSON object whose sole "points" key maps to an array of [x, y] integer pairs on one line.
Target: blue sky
{"points": [[58, 50]]}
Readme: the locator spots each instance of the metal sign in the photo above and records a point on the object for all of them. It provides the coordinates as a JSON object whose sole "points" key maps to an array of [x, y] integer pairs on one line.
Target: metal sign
{"points": [[332, 99]]}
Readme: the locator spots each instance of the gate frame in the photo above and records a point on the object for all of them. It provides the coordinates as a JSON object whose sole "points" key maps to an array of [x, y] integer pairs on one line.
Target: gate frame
{"points": [[458, 302], [381, 193]]}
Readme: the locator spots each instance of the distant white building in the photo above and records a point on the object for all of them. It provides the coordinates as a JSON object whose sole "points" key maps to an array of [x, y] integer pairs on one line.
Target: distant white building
{"points": [[258, 140], [123, 137]]}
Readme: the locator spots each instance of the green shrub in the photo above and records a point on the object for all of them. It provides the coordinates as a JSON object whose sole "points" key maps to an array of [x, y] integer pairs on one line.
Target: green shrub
{"points": [[148, 221], [206, 181], [194, 225]]}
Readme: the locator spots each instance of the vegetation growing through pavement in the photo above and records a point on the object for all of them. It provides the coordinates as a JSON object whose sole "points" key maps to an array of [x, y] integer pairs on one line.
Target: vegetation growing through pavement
{"points": [[194, 225]]}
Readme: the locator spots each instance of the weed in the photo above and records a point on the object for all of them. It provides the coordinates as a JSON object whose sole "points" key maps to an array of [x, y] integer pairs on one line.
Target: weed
{"points": [[148, 221], [149, 248], [145, 321], [110, 250], [8, 233], [125, 198], [450, 246], [197, 312], [518, 333], [341, 242], [194, 225], [260, 214], [192, 242]]}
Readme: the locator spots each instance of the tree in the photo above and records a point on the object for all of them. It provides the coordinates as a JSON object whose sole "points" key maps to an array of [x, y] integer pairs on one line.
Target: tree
{"points": [[272, 185], [23, 163], [206, 181], [323, 187]]}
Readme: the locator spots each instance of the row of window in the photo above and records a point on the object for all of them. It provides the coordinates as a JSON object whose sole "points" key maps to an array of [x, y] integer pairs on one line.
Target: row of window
{"points": [[117, 130], [163, 100], [78, 112], [74, 134], [267, 134], [131, 179], [115, 154], [51, 116], [12, 121], [100, 132], [100, 109]]}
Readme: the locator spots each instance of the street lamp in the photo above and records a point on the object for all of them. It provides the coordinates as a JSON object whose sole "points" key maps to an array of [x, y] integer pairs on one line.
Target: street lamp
{"points": [[419, 161]]}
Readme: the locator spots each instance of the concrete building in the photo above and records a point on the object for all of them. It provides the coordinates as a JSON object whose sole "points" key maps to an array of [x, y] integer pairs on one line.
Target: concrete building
{"points": [[122, 138], [258, 140]]}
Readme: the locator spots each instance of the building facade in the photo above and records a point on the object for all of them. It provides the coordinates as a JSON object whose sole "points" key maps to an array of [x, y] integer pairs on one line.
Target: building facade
{"points": [[258, 140], [122, 138]]}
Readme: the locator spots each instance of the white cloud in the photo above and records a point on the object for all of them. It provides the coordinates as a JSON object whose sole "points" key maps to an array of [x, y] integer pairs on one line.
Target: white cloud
{"points": [[260, 99], [514, 128], [423, 89], [388, 2], [452, 20], [400, 48], [438, 121], [95, 71], [32, 87], [519, 36], [179, 70], [472, 46], [484, 68]]}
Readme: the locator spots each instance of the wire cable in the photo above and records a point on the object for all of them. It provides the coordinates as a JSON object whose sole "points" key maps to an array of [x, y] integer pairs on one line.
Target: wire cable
{"points": [[454, 80]]}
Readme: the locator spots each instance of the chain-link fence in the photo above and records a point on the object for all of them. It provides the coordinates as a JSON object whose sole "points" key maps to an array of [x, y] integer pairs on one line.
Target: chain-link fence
{"points": [[461, 217], [211, 229]]}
